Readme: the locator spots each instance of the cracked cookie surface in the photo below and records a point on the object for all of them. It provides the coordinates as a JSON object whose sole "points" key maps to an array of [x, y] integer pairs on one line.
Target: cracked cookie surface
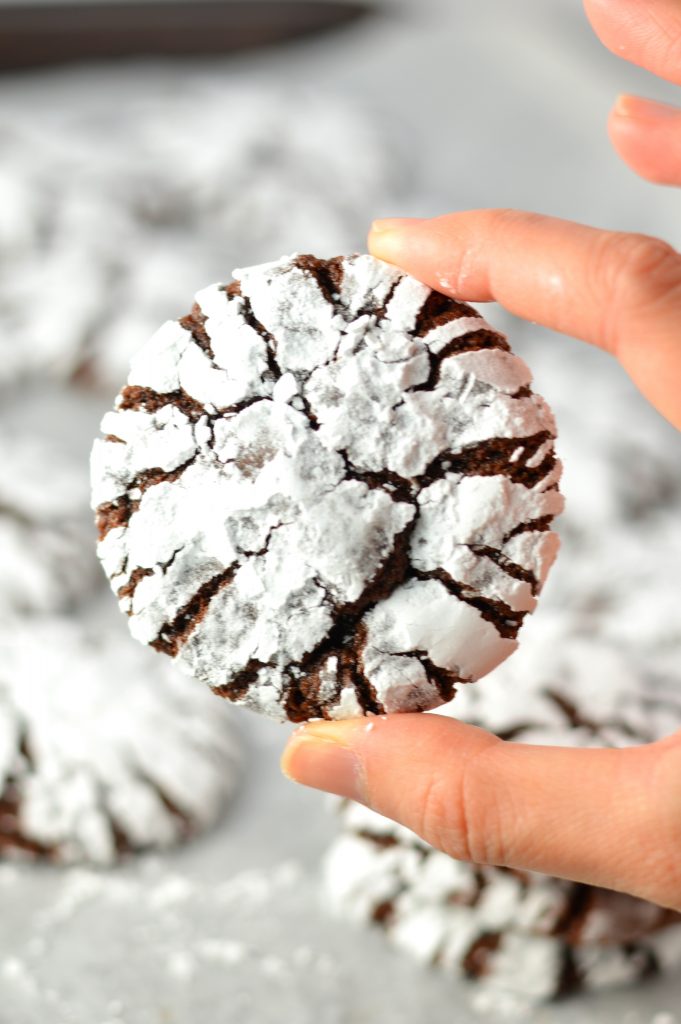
{"points": [[328, 491]]}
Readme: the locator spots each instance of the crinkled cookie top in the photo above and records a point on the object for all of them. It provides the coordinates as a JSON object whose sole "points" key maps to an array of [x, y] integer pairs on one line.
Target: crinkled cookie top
{"points": [[328, 491]]}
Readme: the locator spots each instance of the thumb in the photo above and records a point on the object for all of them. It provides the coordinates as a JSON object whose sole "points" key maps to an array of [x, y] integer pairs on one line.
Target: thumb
{"points": [[603, 816]]}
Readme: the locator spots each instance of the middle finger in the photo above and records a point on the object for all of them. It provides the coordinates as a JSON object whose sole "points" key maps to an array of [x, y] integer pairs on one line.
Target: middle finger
{"points": [[645, 32]]}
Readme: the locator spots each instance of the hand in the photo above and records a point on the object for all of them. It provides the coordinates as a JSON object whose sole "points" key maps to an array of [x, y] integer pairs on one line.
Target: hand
{"points": [[606, 817]]}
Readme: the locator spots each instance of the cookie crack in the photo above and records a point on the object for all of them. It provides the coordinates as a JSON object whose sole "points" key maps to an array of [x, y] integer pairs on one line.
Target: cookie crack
{"points": [[302, 693], [577, 720], [173, 635], [307, 409], [512, 733], [351, 670], [540, 525], [476, 960], [328, 274], [347, 640], [382, 840], [511, 568], [184, 821], [502, 616], [112, 514], [265, 548], [381, 312], [152, 477], [572, 716], [234, 410], [238, 686], [576, 905], [397, 487], [438, 310], [497, 456], [473, 341], [127, 591], [134, 397], [444, 679], [195, 323], [233, 290], [11, 835]]}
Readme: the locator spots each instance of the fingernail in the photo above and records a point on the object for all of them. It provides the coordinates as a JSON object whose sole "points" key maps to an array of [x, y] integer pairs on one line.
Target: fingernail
{"points": [[386, 238], [320, 755], [394, 224], [640, 108]]}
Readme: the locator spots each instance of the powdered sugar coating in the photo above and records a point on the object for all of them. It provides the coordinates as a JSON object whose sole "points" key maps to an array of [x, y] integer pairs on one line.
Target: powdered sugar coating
{"points": [[103, 749], [520, 934], [44, 524], [130, 206], [273, 484]]}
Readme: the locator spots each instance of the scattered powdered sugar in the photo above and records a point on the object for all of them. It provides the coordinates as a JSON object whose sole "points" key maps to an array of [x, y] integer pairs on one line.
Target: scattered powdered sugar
{"points": [[104, 749], [152, 953], [272, 486], [596, 693]]}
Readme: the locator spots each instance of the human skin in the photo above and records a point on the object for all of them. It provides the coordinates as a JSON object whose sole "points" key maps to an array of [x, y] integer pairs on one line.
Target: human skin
{"points": [[606, 817]]}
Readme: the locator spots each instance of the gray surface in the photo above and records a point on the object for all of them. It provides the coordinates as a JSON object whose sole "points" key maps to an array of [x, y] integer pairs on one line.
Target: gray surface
{"points": [[498, 104], [231, 929]]}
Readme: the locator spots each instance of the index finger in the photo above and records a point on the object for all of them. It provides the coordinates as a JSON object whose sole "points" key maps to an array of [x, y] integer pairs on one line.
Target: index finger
{"points": [[621, 292]]}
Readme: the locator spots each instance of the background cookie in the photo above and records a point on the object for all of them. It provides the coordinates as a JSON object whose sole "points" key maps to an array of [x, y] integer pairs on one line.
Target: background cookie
{"points": [[104, 749], [179, 196], [45, 533], [328, 491], [519, 932]]}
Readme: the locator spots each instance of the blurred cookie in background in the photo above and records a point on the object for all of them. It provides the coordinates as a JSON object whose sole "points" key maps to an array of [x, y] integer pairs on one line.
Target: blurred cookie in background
{"points": [[521, 935], [108, 211], [617, 575], [46, 533], [620, 456], [105, 749]]}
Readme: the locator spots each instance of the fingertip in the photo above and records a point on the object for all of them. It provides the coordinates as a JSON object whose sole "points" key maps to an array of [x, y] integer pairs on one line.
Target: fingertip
{"points": [[621, 123], [288, 754], [622, 107], [646, 135], [642, 33], [638, 108], [385, 224], [386, 244], [322, 755]]}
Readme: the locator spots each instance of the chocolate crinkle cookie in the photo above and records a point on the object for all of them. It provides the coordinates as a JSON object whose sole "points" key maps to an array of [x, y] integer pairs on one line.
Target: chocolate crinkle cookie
{"points": [[328, 491], [104, 749], [522, 936], [47, 562]]}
